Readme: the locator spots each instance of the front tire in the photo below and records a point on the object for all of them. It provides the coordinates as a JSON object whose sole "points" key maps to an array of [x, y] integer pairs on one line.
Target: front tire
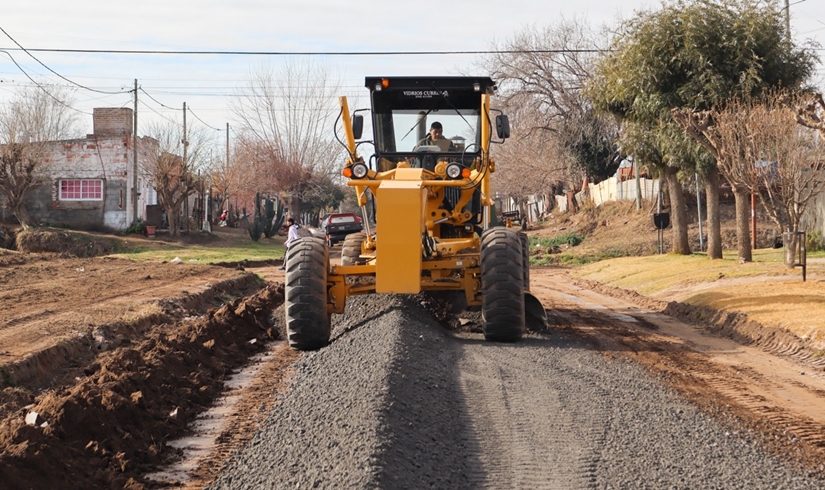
{"points": [[307, 320], [502, 285], [351, 250]]}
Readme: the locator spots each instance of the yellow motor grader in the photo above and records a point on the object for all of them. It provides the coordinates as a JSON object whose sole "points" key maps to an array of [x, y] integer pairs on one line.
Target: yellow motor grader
{"points": [[428, 214]]}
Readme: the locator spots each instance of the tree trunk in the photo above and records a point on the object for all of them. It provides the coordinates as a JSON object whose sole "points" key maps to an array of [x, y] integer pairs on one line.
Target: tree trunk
{"points": [[22, 214], [714, 225], [743, 211], [681, 245], [172, 219], [295, 207]]}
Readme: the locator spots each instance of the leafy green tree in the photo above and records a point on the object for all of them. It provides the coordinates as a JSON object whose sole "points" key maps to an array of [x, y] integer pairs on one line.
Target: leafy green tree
{"points": [[695, 55]]}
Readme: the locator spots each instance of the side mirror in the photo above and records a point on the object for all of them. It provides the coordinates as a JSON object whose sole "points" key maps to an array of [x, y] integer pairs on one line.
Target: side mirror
{"points": [[502, 126], [357, 125]]}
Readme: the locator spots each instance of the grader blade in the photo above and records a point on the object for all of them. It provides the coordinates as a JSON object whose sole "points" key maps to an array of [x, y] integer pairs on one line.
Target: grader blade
{"points": [[534, 308]]}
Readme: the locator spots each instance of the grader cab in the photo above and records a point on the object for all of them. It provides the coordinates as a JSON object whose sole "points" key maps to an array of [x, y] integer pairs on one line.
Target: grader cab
{"points": [[428, 215]]}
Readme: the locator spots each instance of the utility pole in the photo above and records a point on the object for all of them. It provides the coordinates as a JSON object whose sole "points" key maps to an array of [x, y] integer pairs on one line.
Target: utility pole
{"points": [[226, 170], [185, 166], [135, 161], [788, 20], [638, 185], [699, 212]]}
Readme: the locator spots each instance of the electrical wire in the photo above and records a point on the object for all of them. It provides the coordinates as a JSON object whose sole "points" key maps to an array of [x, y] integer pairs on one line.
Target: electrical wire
{"points": [[54, 72], [201, 120], [313, 53], [156, 112], [40, 86], [157, 101]]}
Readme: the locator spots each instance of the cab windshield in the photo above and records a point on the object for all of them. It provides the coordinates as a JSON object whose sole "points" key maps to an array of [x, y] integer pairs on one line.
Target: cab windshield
{"points": [[411, 131]]}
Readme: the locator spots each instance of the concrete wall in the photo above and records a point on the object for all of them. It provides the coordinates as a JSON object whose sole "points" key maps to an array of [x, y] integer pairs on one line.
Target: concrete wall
{"points": [[613, 190]]}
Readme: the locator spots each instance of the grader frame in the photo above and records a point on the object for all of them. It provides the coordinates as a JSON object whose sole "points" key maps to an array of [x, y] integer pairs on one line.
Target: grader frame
{"points": [[426, 207]]}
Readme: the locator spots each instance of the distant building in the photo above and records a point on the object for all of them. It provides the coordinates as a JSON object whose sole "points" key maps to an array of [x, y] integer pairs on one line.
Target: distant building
{"points": [[90, 179]]}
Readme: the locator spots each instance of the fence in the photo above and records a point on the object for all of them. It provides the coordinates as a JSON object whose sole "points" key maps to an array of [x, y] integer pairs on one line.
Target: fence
{"points": [[613, 190]]}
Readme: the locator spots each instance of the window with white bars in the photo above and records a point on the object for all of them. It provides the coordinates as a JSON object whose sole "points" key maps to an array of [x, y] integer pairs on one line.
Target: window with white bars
{"points": [[81, 190]]}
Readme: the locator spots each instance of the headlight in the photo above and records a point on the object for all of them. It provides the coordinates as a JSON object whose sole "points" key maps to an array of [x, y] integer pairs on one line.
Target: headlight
{"points": [[359, 171], [454, 171]]}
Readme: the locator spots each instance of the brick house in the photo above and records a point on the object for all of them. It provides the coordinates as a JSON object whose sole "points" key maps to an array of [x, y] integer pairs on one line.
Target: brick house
{"points": [[90, 179]]}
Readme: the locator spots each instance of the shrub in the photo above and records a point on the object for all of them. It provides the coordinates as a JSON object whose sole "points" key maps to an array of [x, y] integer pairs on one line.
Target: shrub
{"points": [[814, 242], [571, 239]]}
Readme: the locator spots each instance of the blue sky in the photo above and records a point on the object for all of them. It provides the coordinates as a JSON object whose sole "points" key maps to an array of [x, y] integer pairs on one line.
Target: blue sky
{"points": [[206, 82]]}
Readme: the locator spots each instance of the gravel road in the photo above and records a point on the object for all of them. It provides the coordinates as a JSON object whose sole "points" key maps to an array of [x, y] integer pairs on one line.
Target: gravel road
{"points": [[397, 401]]}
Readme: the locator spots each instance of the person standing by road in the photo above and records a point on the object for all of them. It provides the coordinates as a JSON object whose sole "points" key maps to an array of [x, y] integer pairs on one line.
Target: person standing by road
{"points": [[291, 236]]}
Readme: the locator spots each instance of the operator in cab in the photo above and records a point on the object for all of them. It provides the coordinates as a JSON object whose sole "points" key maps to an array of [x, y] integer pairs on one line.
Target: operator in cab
{"points": [[436, 138]]}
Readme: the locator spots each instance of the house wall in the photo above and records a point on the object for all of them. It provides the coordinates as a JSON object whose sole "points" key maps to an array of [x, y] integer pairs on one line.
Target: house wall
{"points": [[106, 155], [94, 157]]}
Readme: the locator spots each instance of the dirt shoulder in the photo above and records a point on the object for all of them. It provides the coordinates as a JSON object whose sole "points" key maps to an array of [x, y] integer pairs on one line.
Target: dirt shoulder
{"points": [[47, 301]]}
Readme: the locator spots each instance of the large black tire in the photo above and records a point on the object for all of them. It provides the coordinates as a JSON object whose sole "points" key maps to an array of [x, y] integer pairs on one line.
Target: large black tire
{"points": [[307, 320], [502, 285], [525, 259], [351, 250]]}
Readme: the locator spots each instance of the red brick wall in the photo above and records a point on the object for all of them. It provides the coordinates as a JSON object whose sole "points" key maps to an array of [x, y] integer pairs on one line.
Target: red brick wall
{"points": [[113, 121]]}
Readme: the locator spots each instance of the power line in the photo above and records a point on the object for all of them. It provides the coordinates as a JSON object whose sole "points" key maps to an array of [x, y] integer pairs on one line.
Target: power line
{"points": [[159, 102], [54, 72], [201, 120], [156, 112], [40, 86], [312, 53]]}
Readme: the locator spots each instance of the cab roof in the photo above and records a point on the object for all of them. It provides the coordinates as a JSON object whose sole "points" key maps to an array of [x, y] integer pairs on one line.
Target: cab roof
{"points": [[485, 84]]}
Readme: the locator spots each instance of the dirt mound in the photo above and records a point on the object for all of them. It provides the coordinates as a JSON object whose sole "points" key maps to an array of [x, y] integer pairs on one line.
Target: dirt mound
{"points": [[112, 424], [67, 244]]}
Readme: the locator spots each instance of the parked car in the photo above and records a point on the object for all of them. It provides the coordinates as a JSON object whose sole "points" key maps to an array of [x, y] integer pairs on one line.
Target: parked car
{"points": [[337, 226]]}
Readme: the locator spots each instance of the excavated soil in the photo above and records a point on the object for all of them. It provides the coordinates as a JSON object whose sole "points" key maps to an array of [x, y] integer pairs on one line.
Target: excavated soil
{"points": [[111, 423]]}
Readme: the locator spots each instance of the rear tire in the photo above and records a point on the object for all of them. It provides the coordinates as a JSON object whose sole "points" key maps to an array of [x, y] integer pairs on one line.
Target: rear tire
{"points": [[351, 250], [502, 285], [307, 320]]}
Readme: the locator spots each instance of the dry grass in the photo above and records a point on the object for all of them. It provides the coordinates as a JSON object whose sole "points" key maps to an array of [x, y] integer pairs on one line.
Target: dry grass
{"points": [[765, 289]]}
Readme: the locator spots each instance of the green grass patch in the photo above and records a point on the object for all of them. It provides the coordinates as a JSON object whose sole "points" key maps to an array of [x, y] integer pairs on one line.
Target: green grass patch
{"points": [[205, 254], [574, 259], [571, 239]]}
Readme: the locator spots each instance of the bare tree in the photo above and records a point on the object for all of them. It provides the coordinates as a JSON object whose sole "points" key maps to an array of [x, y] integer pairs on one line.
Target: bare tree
{"points": [[724, 134], [28, 124], [789, 161], [761, 149], [173, 176], [541, 74], [529, 163], [286, 121], [810, 112]]}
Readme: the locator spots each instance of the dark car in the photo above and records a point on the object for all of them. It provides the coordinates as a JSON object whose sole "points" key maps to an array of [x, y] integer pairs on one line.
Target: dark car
{"points": [[337, 226]]}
